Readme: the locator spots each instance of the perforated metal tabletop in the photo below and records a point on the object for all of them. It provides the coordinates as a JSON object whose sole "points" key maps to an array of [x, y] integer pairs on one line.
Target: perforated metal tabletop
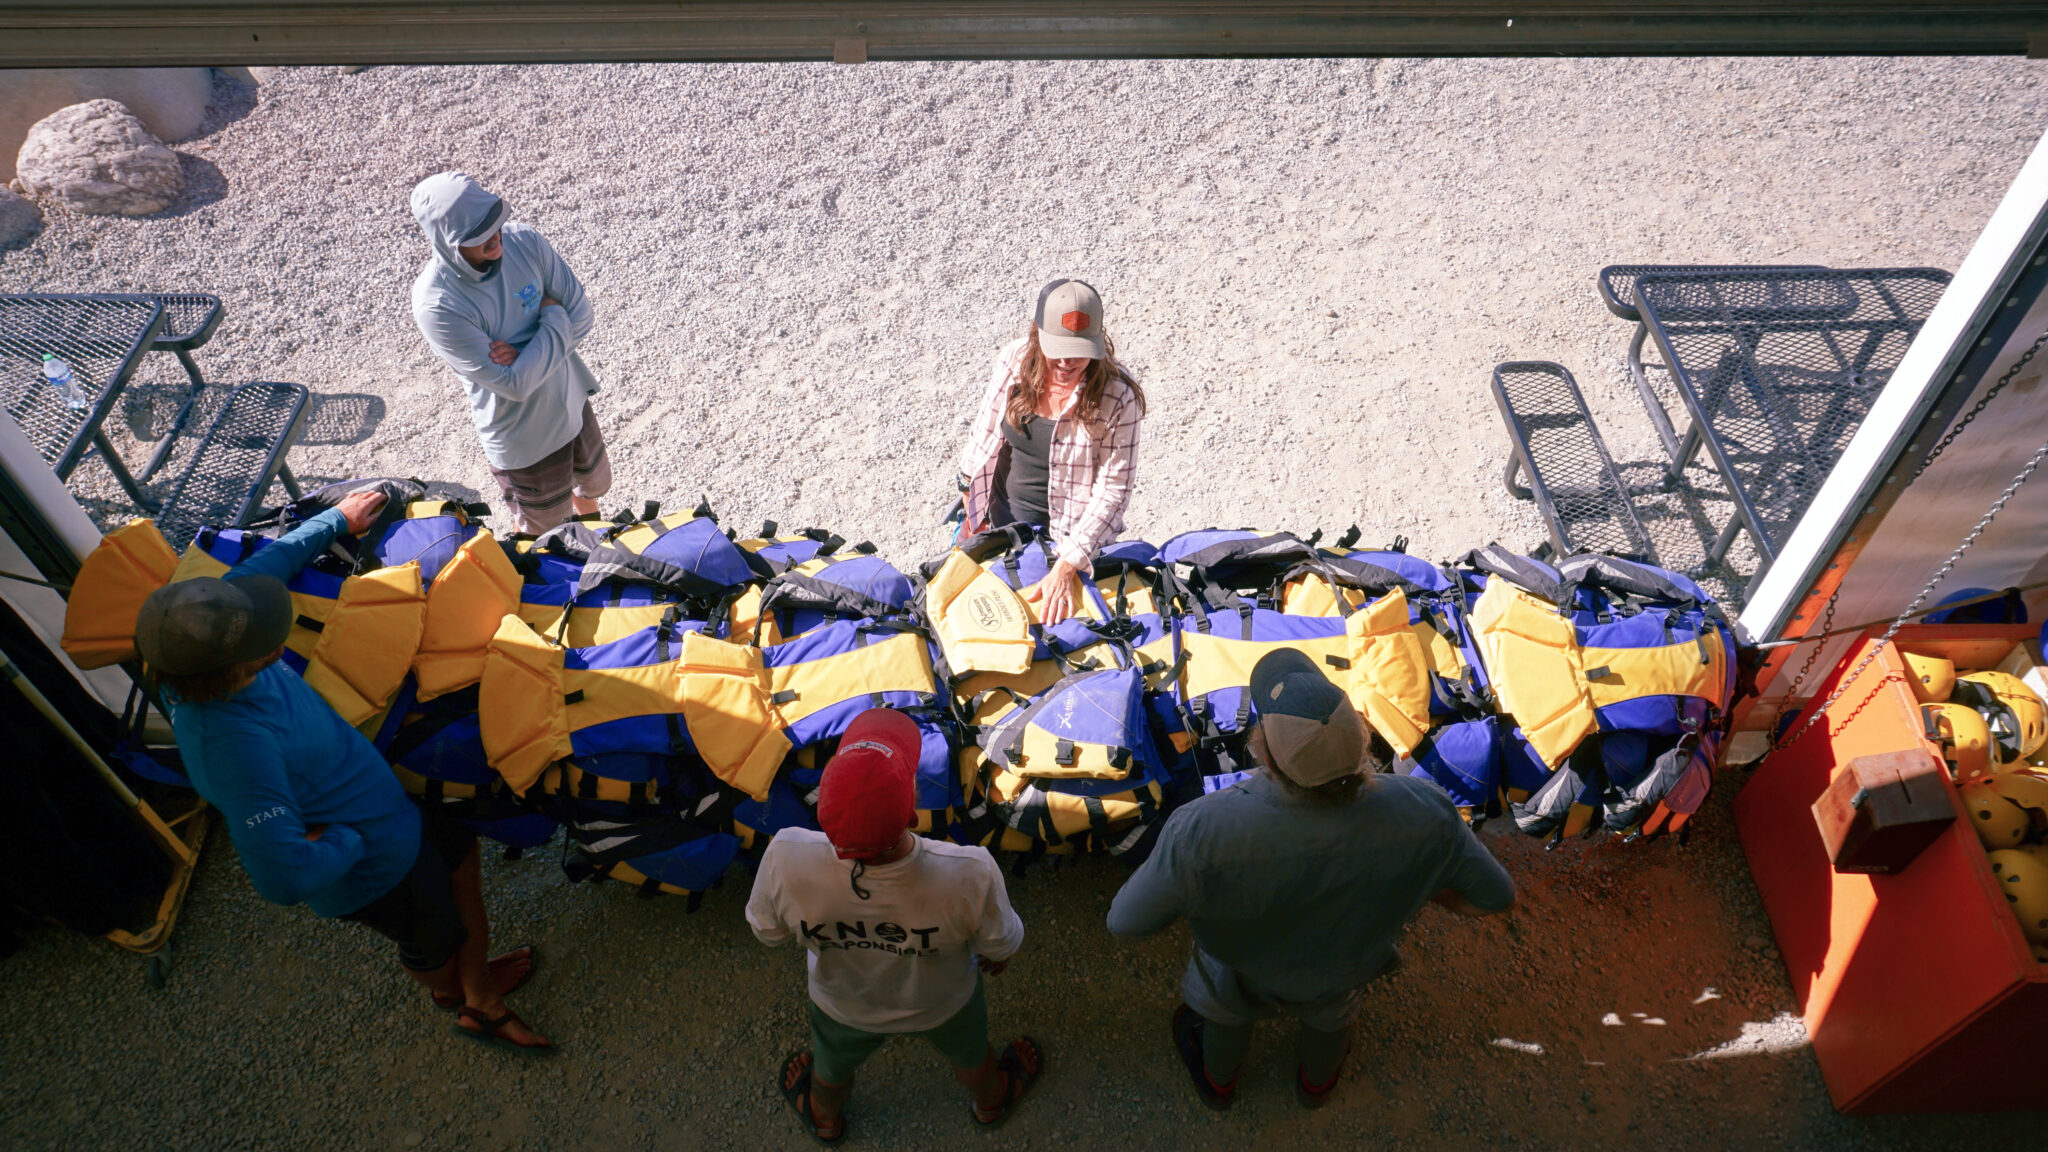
{"points": [[1777, 369], [101, 337]]}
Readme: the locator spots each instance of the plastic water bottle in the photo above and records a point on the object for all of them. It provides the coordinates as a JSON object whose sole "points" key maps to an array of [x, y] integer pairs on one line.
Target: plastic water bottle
{"points": [[57, 374]]}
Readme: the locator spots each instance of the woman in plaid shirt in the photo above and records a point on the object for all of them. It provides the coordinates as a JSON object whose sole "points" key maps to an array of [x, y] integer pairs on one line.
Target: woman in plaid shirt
{"points": [[1056, 441]]}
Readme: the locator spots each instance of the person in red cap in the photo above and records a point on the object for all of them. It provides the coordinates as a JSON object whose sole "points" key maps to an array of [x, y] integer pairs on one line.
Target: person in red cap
{"points": [[898, 928]]}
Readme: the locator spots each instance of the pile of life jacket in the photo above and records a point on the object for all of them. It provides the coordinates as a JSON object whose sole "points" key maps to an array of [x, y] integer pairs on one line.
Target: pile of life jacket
{"points": [[665, 694]]}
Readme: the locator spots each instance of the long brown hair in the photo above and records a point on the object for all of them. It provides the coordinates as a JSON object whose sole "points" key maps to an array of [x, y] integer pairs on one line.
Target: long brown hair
{"points": [[1031, 371]]}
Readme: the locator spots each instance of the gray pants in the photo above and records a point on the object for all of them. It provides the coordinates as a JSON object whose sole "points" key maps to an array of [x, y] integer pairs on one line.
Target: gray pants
{"points": [[1229, 1005]]}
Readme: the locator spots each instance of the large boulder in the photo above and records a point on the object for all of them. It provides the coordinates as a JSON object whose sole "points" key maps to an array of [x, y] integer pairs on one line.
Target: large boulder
{"points": [[97, 158], [171, 101], [19, 219]]}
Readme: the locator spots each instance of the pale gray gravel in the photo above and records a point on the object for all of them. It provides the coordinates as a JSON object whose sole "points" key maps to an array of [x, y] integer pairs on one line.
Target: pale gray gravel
{"points": [[800, 273]]}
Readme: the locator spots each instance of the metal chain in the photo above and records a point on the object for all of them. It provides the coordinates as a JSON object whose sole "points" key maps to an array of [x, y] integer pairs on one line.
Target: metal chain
{"points": [[1827, 621], [1977, 409], [1928, 589]]}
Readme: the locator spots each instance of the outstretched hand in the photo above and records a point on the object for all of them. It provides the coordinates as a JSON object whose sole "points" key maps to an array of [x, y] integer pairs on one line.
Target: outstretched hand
{"points": [[1054, 595], [360, 509]]}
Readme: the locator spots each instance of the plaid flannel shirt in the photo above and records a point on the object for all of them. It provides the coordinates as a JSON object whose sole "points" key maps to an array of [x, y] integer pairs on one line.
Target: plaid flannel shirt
{"points": [[1090, 472]]}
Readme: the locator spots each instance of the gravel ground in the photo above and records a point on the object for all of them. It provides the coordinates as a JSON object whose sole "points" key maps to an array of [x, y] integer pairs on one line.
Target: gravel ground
{"points": [[800, 274]]}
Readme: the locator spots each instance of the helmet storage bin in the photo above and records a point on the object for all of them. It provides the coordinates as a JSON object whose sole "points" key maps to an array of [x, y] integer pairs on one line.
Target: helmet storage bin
{"points": [[1919, 991]]}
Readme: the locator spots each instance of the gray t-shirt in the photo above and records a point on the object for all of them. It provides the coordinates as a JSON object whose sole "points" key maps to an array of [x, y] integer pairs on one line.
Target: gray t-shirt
{"points": [[1307, 900]]}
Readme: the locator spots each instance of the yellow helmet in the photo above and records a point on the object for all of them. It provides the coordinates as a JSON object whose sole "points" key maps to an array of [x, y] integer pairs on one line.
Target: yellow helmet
{"points": [[2016, 715], [2024, 880], [2025, 790], [1999, 822], [1931, 677], [1964, 738]]}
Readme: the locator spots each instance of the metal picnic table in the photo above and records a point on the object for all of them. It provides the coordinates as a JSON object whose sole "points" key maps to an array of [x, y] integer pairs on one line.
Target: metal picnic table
{"points": [[1776, 368], [103, 338]]}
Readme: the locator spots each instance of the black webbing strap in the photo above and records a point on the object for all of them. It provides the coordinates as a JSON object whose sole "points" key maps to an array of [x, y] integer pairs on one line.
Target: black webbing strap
{"points": [[310, 624]]}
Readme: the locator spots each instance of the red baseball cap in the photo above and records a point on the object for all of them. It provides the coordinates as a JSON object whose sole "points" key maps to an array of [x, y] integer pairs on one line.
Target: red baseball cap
{"points": [[869, 792]]}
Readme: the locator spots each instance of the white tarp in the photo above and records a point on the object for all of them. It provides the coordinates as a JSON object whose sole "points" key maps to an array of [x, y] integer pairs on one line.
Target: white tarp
{"points": [[1938, 510]]}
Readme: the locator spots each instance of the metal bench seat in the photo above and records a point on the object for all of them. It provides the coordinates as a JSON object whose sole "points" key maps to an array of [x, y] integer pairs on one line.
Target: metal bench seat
{"points": [[189, 322], [1572, 478], [232, 468]]}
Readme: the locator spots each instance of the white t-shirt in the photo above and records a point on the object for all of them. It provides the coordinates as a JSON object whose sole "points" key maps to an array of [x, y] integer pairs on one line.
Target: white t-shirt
{"points": [[901, 960]]}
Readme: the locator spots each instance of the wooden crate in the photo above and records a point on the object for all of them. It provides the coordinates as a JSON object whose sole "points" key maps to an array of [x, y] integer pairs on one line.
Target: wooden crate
{"points": [[1919, 991]]}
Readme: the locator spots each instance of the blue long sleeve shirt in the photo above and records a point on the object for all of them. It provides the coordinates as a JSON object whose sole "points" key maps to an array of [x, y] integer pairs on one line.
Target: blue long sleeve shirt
{"points": [[276, 760]]}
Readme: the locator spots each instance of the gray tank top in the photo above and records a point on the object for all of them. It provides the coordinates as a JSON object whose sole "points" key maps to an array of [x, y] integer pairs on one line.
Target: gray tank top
{"points": [[1024, 479]]}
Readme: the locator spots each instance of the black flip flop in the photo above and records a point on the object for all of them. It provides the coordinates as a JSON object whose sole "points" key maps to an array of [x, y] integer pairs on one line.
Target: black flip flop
{"points": [[486, 1031], [1019, 1079], [533, 962], [798, 1097], [1187, 1040]]}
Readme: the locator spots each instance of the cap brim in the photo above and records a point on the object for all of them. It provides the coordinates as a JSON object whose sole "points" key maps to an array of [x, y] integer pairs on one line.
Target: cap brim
{"points": [[889, 728], [270, 617], [492, 221], [1067, 346]]}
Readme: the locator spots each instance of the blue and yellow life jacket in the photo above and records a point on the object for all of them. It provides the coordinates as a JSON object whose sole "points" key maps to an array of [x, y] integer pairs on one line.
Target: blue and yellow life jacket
{"points": [[622, 710], [821, 680], [436, 749], [809, 594], [122, 570], [1436, 613], [1596, 646]]}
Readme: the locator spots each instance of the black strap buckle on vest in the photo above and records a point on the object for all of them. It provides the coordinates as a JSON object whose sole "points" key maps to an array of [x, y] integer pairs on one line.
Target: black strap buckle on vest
{"points": [[1600, 673], [1340, 663], [575, 697], [310, 624], [1064, 755]]}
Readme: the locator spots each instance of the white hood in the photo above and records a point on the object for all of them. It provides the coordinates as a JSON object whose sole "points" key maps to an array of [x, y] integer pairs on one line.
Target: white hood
{"points": [[449, 206]]}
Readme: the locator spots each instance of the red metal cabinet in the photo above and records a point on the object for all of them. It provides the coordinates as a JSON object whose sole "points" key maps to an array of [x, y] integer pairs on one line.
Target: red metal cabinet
{"points": [[1919, 991]]}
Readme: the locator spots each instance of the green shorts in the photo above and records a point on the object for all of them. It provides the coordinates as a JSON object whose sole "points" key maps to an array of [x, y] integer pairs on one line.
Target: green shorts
{"points": [[837, 1049]]}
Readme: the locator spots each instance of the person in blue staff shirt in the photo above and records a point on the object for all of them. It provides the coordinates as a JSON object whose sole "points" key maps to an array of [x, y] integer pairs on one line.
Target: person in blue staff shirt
{"points": [[316, 815], [1298, 881]]}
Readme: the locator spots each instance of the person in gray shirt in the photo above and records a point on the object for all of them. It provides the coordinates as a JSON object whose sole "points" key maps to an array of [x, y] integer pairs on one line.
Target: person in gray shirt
{"points": [[1298, 882]]}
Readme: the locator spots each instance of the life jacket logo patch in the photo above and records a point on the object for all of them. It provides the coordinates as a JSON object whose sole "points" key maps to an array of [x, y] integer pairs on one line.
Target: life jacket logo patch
{"points": [[1075, 321], [990, 613]]}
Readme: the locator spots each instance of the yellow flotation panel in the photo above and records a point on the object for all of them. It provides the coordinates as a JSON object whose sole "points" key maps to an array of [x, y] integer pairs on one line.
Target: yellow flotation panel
{"points": [[1389, 675], [982, 625], [466, 604], [367, 643], [127, 565], [520, 692], [733, 721], [1539, 674]]}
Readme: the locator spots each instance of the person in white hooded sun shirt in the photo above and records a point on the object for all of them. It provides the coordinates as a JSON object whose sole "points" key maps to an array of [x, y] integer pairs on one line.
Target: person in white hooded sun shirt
{"points": [[498, 306]]}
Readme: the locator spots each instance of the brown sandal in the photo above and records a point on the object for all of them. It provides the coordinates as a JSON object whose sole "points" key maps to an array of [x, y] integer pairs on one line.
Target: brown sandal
{"points": [[487, 1029]]}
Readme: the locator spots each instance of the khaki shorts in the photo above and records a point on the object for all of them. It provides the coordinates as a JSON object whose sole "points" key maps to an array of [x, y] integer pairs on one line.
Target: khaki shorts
{"points": [[537, 495]]}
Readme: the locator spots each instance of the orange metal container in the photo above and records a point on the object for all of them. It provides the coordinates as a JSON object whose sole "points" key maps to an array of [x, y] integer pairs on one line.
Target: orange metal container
{"points": [[1919, 991]]}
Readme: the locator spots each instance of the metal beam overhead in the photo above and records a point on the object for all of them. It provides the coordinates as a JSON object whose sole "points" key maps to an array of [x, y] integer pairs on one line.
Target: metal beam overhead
{"points": [[102, 33]]}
